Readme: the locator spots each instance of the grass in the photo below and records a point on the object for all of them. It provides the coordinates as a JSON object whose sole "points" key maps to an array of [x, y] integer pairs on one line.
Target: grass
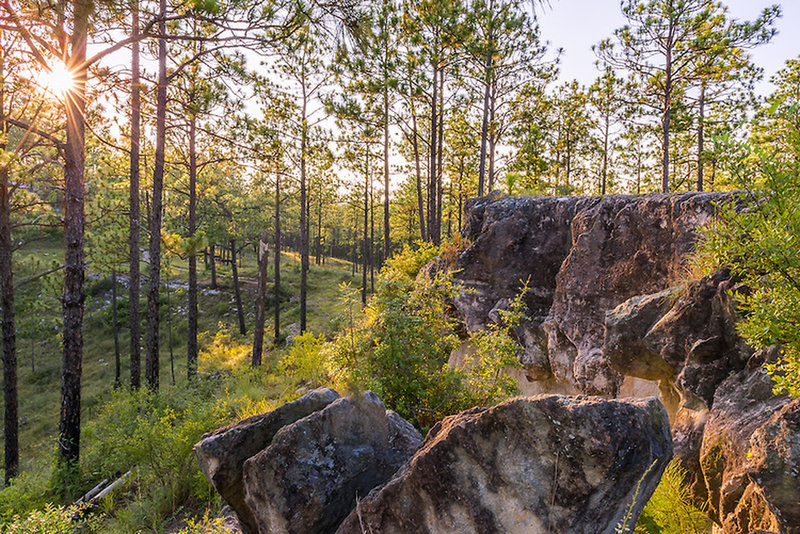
{"points": [[38, 312]]}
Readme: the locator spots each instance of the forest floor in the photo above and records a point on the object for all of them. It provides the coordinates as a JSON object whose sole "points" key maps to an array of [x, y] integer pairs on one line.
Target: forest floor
{"points": [[38, 340]]}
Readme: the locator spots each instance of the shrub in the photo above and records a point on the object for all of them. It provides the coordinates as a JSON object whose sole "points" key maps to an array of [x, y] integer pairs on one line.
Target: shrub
{"points": [[399, 345], [304, 361], [671, 509], [50, 519]]}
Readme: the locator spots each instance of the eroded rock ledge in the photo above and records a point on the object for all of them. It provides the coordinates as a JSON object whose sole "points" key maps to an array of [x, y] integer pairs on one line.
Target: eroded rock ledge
{"points": [[580, 256], [611, 306]]}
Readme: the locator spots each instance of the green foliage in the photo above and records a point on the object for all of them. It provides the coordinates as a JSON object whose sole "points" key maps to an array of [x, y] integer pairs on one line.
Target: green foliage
{"points": [[399, 345], [304, 361], [205, 525], [49, 520], [670, 509], [761, 243]]}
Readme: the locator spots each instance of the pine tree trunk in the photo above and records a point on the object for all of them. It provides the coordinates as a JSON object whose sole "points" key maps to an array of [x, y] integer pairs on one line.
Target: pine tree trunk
{"points": [[484, 126], [303, 221], [74, 224], [11, 418], [213, 261], [437, 236], [237, 293], [665, 123], [191, 342], [432, 157], [366, 228], [371, 239], [261, 298], [700, 138], [133, 205], [277, 254], [115, 326], [386, 242], [152, 349], [418, 169]]}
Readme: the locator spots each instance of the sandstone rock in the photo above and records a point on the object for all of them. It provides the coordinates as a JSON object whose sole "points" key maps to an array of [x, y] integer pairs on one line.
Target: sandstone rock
{"points": [[534, 465], [580, 256], [308, 479], [774, 466], [223, 452]]}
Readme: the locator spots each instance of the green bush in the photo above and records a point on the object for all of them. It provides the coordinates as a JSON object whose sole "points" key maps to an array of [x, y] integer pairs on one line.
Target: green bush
{"points": [[50, 519], [304, 361], [671, 509], [761, 241], [399, 345]]}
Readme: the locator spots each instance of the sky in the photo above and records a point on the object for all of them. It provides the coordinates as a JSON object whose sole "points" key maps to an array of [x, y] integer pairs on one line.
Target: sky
{"points": [[576, 25]]}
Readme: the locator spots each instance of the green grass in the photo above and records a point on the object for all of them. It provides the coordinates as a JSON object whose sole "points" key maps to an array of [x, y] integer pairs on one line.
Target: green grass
{"points": [[39, 389]]}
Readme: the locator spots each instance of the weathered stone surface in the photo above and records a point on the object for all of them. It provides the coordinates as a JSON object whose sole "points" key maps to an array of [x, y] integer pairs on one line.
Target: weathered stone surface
{"points": [[774, 466], [580, 257], [222, 453], [738, 443], [535, 465], [308, 479]]}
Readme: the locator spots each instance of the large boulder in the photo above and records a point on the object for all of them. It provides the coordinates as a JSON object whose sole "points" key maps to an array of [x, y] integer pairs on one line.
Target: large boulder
{"points": [[531, 464], [579, 256], [222, 453], [308, 479]]}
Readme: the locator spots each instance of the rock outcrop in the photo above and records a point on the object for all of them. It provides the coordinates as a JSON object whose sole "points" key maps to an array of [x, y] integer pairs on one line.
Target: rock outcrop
{"points": [[222, 453], [308, 479], [534, 465], [610, 308], [580, 256], [299, 468], [722, 401]]}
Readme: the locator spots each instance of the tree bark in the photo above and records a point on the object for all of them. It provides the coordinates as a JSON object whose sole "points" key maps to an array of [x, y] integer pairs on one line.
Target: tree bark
{"points": [[152, 357], [74, 224], [133, 205], [665, 122], [11, 418], [366, 227], [432, 157], [237, 293], [277, 254], [386, 242], [213, 261], [700, 137], [303, 221], [418, 168], [191, 342], [261, 298], [115, 326]]}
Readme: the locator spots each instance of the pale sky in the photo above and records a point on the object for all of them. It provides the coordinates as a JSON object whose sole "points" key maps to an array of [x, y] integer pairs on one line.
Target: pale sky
{"points": [[575, 25]]}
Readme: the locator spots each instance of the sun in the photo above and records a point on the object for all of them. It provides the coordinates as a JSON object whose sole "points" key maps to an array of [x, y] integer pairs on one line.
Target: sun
{"points": [[57, 79]]}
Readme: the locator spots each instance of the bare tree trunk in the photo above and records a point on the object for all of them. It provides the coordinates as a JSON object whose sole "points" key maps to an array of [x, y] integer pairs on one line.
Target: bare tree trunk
{"points": [[74, 224], [151, 371], [115, 327], [169, 333], [386, 242], [191, 342], [261, 298], [133, 209], [237, 293], [303, 221], [700, 137], [11, 418], [485, 123], [432, 174], [366, 228], [437, 236], [418, 168], [665, 123], [213, 261], [277, 254], [371, 239]]}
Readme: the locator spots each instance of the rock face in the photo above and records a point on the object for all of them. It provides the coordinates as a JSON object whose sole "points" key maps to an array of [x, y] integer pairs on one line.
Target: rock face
{"points": [[609, 309], [580, 256], [222, 453], [307, 480], [739, 441], [299, 468], [534, 465]]}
